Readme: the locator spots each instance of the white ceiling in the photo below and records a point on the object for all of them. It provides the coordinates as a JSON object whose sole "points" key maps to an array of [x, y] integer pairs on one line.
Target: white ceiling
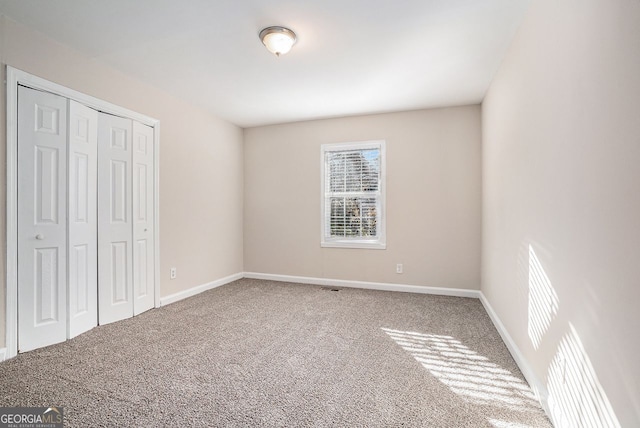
{"points": [[352, 56]]}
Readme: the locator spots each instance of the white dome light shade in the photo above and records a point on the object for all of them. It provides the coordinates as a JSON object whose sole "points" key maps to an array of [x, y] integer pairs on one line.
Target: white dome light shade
{"points": [[278, 40]]}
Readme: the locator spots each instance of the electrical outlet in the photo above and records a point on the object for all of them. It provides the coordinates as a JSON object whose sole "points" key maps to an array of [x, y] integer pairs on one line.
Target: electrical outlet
{"points": [[174, 273], [399, 268]]}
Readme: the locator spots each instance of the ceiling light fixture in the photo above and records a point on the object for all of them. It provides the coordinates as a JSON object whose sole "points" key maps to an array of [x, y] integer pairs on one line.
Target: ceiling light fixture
{"points": [[278, 40]]}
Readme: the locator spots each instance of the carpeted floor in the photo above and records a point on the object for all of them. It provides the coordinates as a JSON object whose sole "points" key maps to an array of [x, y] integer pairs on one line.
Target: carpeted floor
{"points": [[260, 353]]}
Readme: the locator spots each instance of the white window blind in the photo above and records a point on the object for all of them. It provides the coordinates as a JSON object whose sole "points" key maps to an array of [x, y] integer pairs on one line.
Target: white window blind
{"points": [[353, 195]]}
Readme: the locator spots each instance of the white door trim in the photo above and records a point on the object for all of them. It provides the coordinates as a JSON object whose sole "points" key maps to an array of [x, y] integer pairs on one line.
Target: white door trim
{"points": [[17, 77]]}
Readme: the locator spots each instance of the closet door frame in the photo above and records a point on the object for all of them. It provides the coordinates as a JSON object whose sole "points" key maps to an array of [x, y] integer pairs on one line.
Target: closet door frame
{"points": [[16, 77]]}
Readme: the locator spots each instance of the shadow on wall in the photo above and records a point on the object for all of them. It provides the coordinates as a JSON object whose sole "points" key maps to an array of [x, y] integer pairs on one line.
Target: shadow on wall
{"points": [[575, 396]]}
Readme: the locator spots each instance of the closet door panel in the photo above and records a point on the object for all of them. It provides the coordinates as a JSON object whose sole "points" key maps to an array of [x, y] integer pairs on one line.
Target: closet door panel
{"points": [[143, 221], [83, 222], [115, 251], [42, 219]]}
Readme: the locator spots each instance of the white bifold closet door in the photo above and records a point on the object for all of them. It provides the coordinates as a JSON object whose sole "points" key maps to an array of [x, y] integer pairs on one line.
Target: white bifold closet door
{"points": [[57, 253], [115, 258], [143, 220], [83, 219], [42, 219], [125, 218], [86, 250]]}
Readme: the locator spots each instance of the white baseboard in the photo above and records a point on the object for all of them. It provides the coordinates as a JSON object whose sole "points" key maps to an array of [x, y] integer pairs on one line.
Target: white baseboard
{"points": [[538, 387], [3, 354], [172, 298], [406, 288]]}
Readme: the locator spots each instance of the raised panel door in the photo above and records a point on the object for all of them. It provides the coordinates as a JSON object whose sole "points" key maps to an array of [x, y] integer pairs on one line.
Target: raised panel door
{"points": [[83, 221], [42, 219], [115, 250], [143, 220]]}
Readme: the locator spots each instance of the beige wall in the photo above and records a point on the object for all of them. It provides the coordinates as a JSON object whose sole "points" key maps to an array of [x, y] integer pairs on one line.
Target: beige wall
{"points": [[433, 199], [200, 161], [561, 202]]}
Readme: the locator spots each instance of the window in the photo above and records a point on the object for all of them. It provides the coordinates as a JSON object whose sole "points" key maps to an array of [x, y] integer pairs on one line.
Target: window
{"points": [[353, 195]]}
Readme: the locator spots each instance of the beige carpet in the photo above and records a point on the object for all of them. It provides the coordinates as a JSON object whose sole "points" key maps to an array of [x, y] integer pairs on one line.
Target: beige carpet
{"points": [[260, 353]]}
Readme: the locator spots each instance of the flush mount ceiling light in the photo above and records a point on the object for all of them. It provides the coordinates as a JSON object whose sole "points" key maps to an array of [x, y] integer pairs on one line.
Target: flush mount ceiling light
{"points": [[278, 40]]}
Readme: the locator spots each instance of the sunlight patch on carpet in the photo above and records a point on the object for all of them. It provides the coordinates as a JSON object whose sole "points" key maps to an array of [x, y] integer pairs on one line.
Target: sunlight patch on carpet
{"points": [[470, 375]]}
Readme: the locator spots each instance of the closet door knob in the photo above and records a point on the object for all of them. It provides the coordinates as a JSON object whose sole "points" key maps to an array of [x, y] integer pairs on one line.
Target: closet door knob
{"points": [[39, 237], [145, 230]]}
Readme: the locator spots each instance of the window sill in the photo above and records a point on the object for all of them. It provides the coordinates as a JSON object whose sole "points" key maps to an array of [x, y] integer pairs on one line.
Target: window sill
{"points": [[365, 245]]}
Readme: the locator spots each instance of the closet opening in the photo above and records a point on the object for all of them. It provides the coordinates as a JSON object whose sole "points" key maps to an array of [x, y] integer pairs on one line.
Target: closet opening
{"points": [[82, 213]]}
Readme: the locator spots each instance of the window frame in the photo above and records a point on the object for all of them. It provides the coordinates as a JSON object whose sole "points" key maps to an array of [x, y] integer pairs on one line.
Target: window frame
{"points": [[380, 241]]}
